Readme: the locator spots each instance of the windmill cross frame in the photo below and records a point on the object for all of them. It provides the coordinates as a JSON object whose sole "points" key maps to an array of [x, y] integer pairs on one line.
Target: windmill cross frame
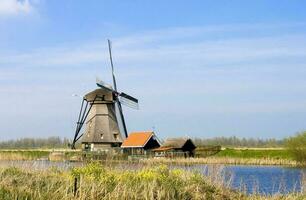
{"points": [[81, 119]]}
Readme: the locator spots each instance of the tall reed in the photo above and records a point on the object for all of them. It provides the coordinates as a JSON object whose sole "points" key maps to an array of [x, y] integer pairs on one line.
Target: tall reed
{"points": [[223, 160], [96, 181]]}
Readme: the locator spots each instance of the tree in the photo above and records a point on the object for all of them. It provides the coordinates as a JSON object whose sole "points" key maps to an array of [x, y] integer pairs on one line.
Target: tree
{"points": [[296, 145]]}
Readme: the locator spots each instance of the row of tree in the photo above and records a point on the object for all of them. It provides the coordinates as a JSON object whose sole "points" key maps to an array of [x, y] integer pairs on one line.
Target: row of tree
{"points": [[238, 142], [57, 142], [27, 143]]}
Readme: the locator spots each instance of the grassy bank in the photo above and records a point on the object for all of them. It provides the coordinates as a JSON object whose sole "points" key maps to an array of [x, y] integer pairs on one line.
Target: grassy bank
{"points": [[101, 182], [258, 156], [226, 156], [37, 154], [223, 160], [268, 153], [23, 155]]}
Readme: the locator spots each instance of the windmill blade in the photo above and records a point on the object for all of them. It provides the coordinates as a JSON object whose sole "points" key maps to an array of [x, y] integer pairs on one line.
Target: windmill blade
{"points": [[129, 101], [122, 118], [103, 85], [122, 94], [112, 65]]}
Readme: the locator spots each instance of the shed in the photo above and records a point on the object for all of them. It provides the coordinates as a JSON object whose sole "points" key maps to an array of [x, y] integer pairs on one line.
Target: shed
{"points": [[174, 147], [138, 143]]}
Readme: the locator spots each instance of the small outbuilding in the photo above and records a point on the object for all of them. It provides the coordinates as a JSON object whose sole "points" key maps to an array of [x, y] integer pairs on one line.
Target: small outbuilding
{"points": [[140, 143], [176, 147]]}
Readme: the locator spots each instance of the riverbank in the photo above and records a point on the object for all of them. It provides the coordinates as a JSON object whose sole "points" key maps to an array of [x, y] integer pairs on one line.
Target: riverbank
{"points": [[238, 156], [271, 153], [222, 160], [38, 154], [95, 181]]}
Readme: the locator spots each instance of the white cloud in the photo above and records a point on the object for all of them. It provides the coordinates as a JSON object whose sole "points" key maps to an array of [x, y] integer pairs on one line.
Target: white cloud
{"points": [[186, 68], [196, 54], [15, 7], [197, 45]]}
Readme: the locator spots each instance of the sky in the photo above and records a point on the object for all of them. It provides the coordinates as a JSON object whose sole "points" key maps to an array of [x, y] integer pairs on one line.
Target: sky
{"points": [[199, 69]]}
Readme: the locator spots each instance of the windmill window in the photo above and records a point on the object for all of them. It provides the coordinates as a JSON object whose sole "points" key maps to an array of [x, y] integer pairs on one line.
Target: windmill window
{"points": [[116, 136], [101, 135]]}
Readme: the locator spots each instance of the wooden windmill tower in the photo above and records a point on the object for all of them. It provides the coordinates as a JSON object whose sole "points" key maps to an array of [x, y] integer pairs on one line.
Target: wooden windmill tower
{"points": [[100, 111]]}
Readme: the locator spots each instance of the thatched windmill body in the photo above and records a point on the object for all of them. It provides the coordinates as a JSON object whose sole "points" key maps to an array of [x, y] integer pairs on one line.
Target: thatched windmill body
{"points": [[102, 113]]}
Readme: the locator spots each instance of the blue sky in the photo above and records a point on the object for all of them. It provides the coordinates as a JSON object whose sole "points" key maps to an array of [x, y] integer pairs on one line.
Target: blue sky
{"points": [[202, 68]]}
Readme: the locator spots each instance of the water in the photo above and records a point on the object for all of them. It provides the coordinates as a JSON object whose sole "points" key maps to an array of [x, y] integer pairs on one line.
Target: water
{"points": [[267, 180]]}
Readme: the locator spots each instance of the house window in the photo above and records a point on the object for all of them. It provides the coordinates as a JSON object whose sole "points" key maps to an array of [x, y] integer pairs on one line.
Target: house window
{"points": [[86, 146]]}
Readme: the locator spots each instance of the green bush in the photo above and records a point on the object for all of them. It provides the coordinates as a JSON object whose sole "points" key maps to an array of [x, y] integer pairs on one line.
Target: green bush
{"points": [[296, 145]]}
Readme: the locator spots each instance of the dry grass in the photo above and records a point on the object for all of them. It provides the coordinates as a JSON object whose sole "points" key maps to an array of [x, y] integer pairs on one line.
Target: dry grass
{"points": [[109, 182], [98, 182], [229, 156], [304, 182], [22, 155], [53, 155], [223, 160]]}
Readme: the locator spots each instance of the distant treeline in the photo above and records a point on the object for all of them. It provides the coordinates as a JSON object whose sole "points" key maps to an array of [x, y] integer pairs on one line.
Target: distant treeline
{"points": [[27, 143], [238, 142], [57, 142]]}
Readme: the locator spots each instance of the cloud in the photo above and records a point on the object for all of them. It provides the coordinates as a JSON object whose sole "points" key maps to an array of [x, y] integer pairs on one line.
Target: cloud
{"points": [[237, 73], [15, 7], [177, 46]]}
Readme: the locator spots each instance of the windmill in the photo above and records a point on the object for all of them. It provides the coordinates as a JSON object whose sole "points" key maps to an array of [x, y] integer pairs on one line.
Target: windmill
{"points": [[100, 111]]}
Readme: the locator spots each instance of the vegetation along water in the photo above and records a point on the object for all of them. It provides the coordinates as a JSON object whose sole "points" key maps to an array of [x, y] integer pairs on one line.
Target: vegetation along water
{"points": [[96, 181]]}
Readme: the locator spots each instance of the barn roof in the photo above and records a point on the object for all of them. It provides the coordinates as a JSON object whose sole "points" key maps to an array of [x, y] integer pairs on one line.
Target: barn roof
{"points": [[176, 143], [163, 148], [137, 139]]}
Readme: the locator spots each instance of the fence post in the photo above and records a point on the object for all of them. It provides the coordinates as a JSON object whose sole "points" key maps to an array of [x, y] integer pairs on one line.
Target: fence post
{"points": [[75, 188]]}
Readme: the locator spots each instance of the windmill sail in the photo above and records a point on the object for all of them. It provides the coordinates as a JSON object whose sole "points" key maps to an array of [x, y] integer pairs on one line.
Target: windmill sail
{"points": [[103, 85], [122, 126], [112, 65], [129, 101], [115, 87]]}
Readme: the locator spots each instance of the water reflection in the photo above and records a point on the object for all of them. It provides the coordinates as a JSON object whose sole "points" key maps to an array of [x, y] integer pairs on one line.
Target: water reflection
{"points": [[266, 180]]}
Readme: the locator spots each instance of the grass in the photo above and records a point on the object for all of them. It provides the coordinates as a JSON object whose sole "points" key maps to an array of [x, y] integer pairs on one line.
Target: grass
{"points": [[258, 153], [226, 156], [22, 155], [222, 160], [35, 154], [98, 182], [243, 156], [95, 181]]}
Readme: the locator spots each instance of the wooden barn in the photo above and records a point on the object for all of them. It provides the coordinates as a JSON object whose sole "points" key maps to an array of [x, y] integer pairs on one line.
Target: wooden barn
{"points": [[140, 143], [176, 147]]}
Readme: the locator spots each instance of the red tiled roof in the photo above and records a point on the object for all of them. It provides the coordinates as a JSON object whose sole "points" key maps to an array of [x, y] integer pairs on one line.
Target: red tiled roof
{"points": [[137, 139]]}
